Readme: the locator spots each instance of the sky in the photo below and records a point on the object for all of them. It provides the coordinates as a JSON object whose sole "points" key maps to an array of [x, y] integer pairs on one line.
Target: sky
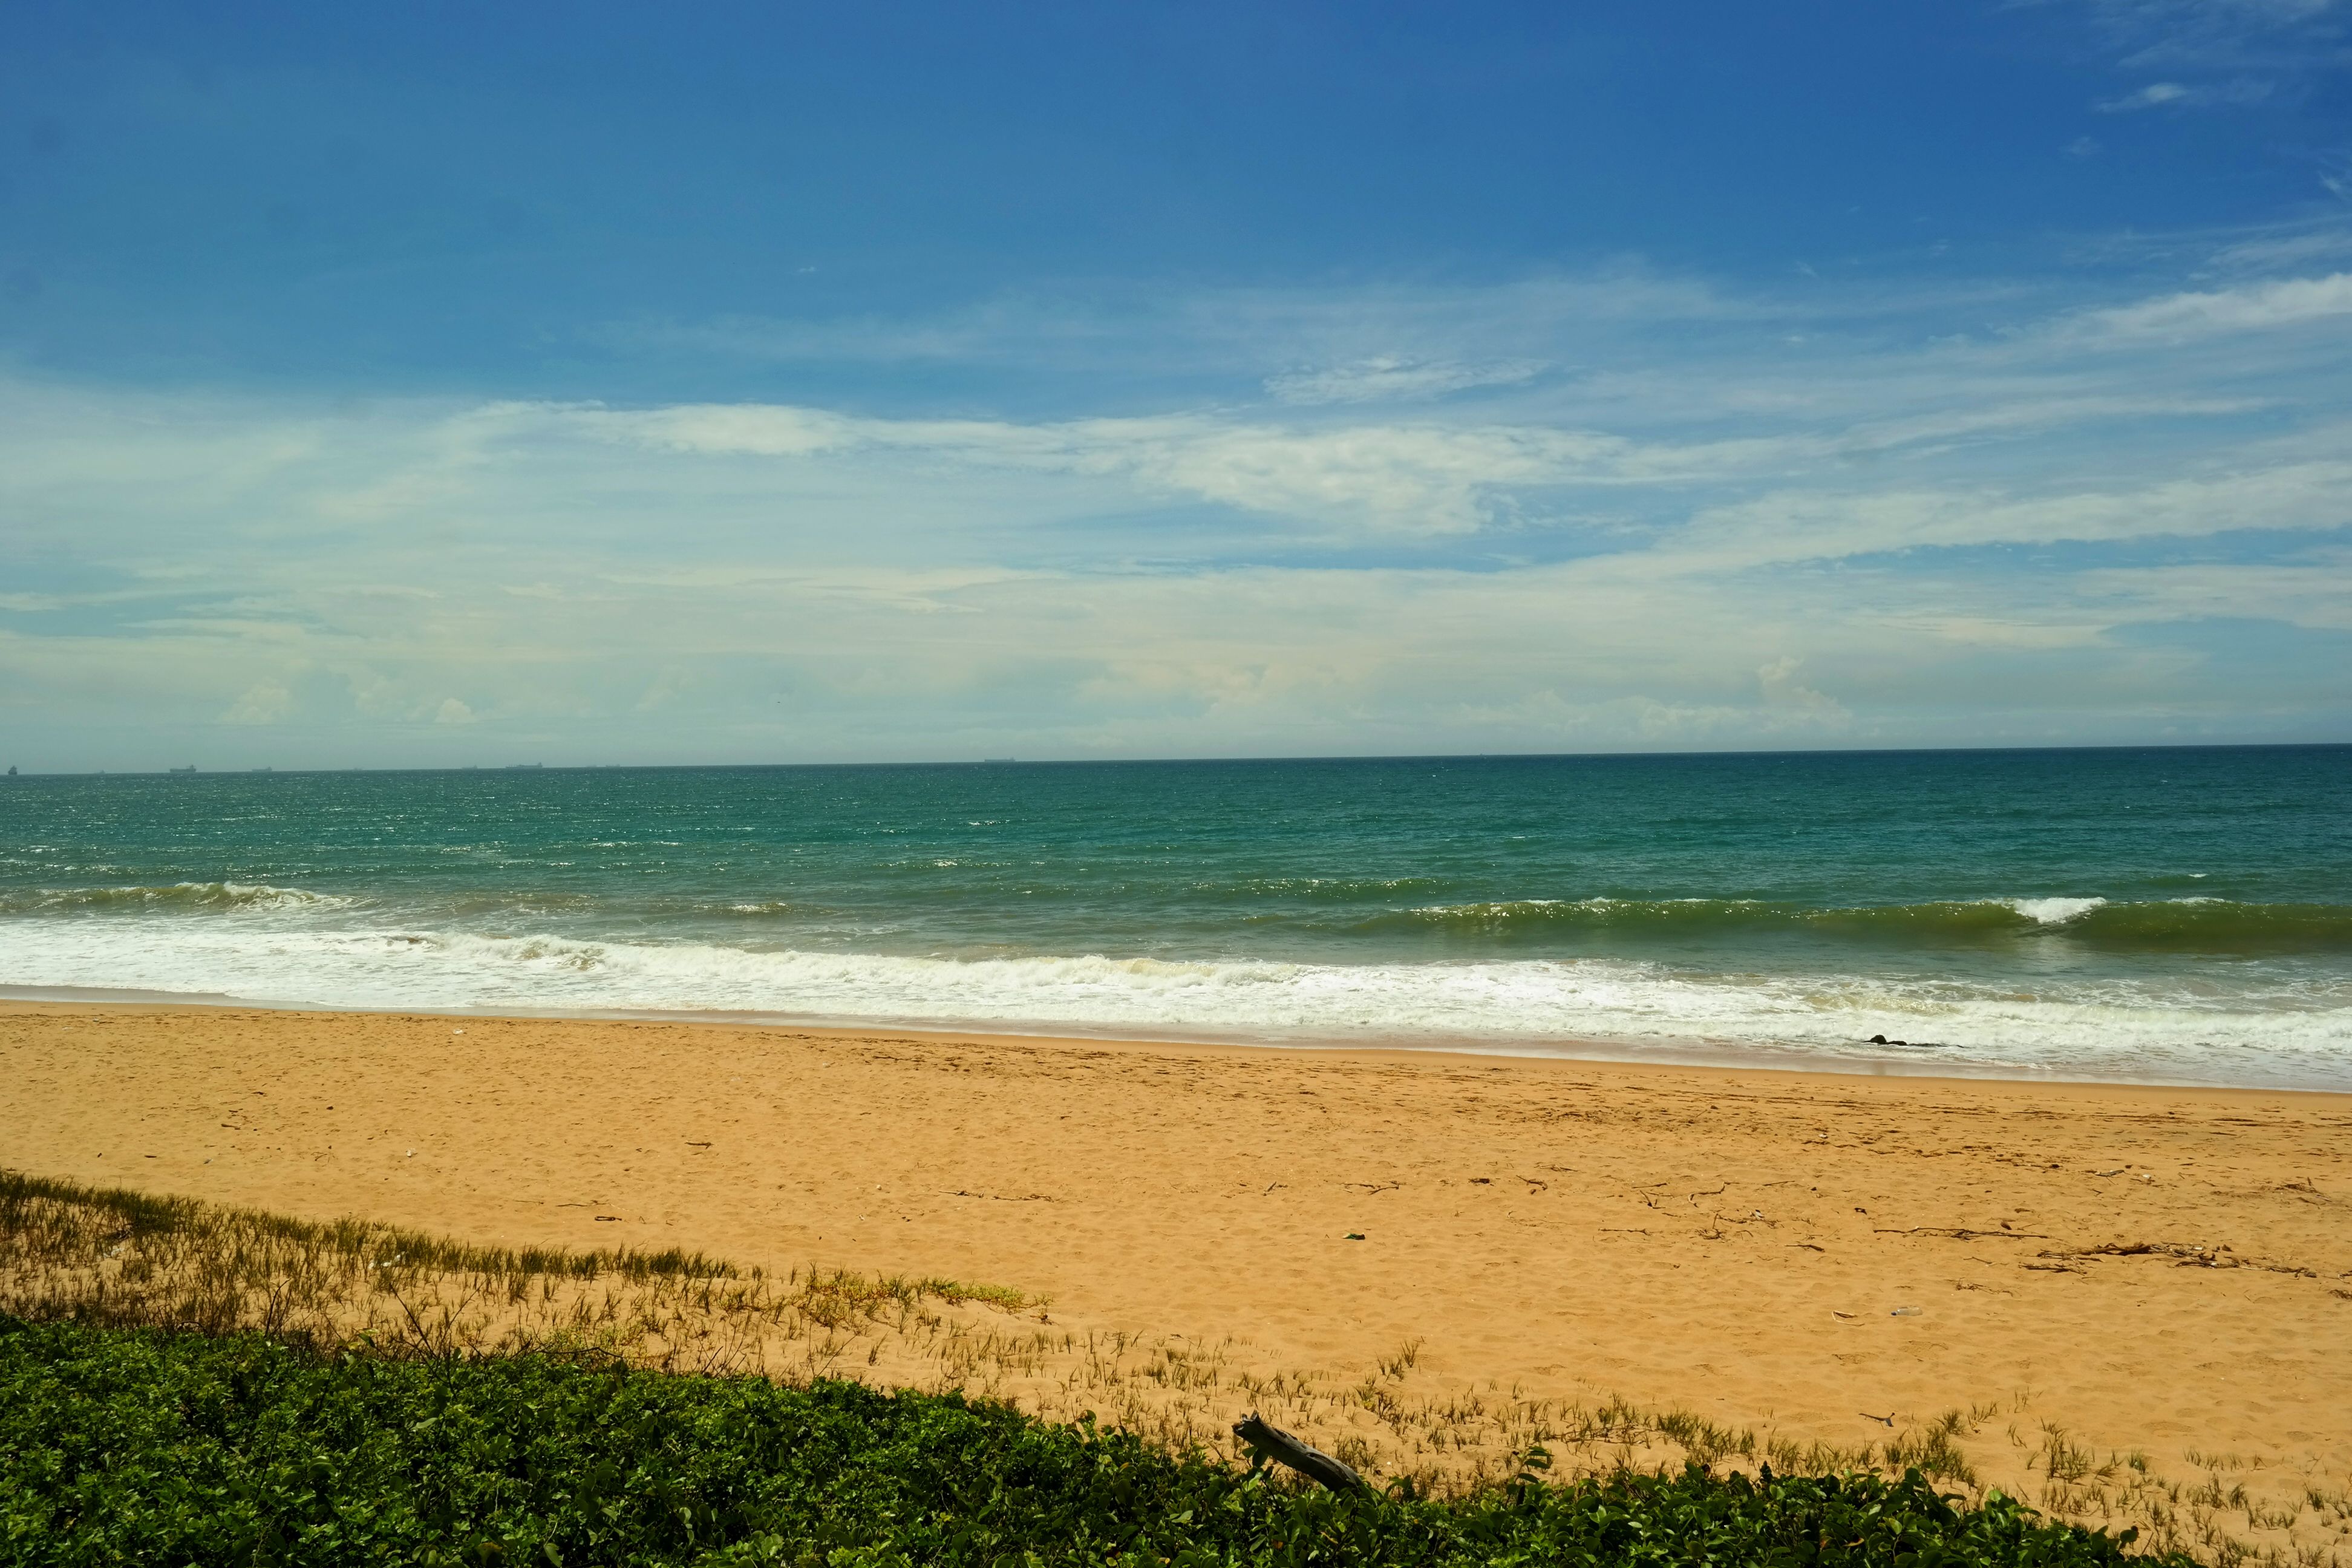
{"points": [[427, 386]]}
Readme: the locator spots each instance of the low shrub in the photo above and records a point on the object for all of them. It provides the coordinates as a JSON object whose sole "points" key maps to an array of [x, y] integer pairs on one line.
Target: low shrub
{"points": [[135, 1446]]}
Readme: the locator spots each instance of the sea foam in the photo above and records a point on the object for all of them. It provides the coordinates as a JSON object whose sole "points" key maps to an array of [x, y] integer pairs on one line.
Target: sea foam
{"points": [[2183, 1030]]}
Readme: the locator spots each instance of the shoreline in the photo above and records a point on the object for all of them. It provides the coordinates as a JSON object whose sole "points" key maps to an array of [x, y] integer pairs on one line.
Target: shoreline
{"points": [[1693, 1053]]}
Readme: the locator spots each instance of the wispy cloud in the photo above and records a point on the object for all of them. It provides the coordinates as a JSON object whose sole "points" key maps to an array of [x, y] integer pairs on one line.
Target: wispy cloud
{"points": [[2183, 95], [2270, 252], [2223, 34], [1797, 526], [1390, 378], [1372, 338], [2220, 54], [2255, 308], [1887, 532], [1422, 478], [1383, 478]]}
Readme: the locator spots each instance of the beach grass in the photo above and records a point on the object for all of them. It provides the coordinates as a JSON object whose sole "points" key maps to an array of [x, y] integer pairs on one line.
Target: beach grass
{"points": [[117, 1256]]}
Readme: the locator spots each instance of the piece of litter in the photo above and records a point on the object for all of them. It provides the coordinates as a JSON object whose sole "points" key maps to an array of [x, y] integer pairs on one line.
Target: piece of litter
{"points": [[1355, 1236], [457, 1031], [1903, 1312], [410, 1155], [616, 1219], [2116, 1171]]}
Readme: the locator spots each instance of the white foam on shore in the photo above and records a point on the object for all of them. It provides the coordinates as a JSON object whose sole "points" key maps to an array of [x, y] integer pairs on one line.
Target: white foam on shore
{"points": [[2187, 1030]]}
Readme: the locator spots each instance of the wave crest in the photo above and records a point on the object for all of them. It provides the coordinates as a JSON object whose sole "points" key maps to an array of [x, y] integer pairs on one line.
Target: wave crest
{"points": [[188, 896], [2170, 925]]}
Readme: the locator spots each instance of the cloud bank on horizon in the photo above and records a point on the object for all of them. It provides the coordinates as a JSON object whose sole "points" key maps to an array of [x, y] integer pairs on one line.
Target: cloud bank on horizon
{"points": [[396, 388]]}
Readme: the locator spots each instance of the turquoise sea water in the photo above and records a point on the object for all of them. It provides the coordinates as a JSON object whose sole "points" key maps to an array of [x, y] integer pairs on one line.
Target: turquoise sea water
{"points": [[2170, 914]]}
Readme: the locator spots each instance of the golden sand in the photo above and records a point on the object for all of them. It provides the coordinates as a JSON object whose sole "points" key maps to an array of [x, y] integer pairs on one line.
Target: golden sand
{"points": [[2164, 1272]]}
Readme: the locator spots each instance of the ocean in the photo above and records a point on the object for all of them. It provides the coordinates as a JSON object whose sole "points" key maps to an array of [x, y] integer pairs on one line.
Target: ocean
{"points": [[2168, 915]]}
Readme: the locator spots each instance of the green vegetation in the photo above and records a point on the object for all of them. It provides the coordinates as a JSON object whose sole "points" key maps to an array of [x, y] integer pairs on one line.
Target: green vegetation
{"points": [[123, 1444]]}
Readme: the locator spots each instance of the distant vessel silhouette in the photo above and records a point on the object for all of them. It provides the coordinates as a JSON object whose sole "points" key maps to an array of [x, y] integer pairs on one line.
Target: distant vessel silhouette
{"points": [[189, 769]]}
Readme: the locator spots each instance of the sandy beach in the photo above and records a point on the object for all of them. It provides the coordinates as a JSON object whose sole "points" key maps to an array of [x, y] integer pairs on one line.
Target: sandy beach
{"points": [[2156, 1270]]}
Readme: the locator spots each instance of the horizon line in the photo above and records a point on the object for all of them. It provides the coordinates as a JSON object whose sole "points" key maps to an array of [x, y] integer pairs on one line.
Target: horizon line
{"points": [[193, 771]]}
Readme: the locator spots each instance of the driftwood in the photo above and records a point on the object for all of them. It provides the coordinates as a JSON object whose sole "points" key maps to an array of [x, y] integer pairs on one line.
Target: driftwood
{"points": [[1274, 1442]]}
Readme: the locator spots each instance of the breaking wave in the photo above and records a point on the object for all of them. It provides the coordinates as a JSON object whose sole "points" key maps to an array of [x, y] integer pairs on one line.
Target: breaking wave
{"points": [[2293, 1033], [2171, 925], [176, 895]]}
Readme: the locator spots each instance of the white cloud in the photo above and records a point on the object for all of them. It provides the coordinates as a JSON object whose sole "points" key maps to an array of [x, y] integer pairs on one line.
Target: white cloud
{"points": [[2150, 96], [1390, 378], [1796, 525], [2264, 252], [1385, 478], [1864, 535], [2221, 35], [2256, 307], [2313, 591], [1392, 478], [1251, 333], [1401, 479], [2179, 95], [1778, 683], [264, 702], [765, 430]]}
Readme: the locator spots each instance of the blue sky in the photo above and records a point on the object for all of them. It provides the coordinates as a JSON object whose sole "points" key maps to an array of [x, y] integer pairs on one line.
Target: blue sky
{"points": [[403, 386]]}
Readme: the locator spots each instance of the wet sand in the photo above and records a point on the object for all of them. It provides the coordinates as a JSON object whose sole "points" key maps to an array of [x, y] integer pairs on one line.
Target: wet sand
{"points": [[2161, 1270]]}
